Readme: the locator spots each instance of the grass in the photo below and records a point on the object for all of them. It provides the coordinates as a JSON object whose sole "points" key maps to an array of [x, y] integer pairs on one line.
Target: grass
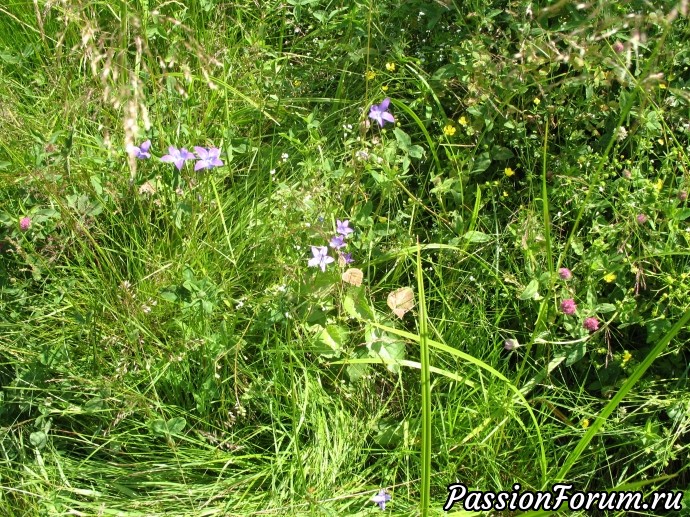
{"points": [[165, 347]]}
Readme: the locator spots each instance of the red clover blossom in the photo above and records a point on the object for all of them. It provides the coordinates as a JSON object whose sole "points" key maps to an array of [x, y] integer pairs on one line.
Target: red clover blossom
{"points": [[568, 306], [591, 324], [565, 273]]}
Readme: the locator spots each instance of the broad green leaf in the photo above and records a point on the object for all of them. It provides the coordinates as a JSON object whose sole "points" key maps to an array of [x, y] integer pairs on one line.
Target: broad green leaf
{"points": [[158, 427], [501, 153], [603, 308], [332, 339], [38, 439], [577, 247], [575, 353], [176, 425], [355, 304], [93, 404], [383, 345], [482, 163], [475, 236], [530, 291]]}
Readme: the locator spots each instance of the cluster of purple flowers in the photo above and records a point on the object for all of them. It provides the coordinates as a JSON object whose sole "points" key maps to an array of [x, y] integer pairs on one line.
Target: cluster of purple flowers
{"points": [[568, 307], [205, 158], [320, 253]]}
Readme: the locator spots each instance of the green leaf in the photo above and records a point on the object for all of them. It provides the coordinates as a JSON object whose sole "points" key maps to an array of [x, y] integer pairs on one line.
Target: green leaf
{"points": [[158, 427], [332, 339], [176, 425], [482, 163], [93, 404], [96, 184], [683, 214], [356, 371], [501, 153], [577, 247], [38, 439], [404, 140], [416, 151], [355, 304], [603, 308], [169, 296], [475, 236], [390, 433], [530, 291], [385, 346], [575, 353]]}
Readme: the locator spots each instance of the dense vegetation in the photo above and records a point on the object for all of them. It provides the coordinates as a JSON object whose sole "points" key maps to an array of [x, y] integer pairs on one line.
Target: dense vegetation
{"points": [[510, 305]]}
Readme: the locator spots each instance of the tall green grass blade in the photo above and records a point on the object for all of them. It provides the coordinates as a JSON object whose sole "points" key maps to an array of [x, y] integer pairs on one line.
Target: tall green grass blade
{"points": [[425, 378]]}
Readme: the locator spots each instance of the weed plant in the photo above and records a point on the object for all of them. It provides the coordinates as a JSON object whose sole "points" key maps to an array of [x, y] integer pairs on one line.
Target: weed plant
{"points": [[406, 244]]}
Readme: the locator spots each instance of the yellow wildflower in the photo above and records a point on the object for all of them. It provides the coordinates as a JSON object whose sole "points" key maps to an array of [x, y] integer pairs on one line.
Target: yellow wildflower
{"points": [[626, 356], [659, 185], [509, 172], [610, 277], [536, 101], [462, 121], [585, 423], [296, 82], [505, 194], [662, 86], [390, 67], [370, 75], [384, 87], [449, 130]]}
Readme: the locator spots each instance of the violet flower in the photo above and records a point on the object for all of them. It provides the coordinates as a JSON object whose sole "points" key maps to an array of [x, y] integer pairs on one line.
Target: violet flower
{"points": [[347, 257], [381, 499], [337, 242], [141, 152], [177, 156], [320, 257], [343, 228], [380, 112], [208, 158]]}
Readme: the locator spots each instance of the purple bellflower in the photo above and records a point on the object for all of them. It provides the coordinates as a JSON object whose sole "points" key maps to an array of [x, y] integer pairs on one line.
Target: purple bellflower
{"points": [[177, 156], [380, 112], [343, 228], [141, 152], [347, 257], [337, 242], [208, 158], [320, 257], [381, 499]]}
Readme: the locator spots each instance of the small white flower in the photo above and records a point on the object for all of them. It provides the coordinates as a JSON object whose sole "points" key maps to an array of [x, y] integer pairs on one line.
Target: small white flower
{"points": [[621, 134]]}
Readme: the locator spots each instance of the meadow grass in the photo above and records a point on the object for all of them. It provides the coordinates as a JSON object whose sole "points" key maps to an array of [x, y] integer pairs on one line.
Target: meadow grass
{"points": [[170, 343]]}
